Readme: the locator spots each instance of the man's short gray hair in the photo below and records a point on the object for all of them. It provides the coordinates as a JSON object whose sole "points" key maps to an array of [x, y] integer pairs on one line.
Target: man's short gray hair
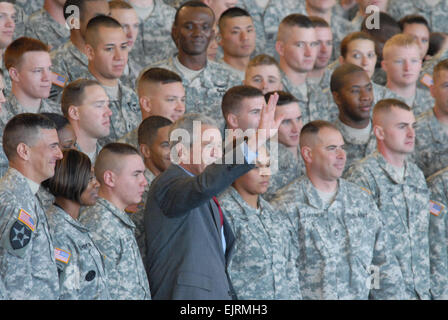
{"points": [[184, 127]]}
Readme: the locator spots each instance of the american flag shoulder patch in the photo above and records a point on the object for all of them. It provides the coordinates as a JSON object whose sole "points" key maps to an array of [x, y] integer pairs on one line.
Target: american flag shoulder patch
{"points": [[59, 80], [26, 219], [435, 208], [427, 80], [62, 255]]}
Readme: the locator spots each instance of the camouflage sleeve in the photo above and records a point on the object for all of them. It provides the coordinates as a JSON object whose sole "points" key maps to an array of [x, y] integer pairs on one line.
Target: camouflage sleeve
{"points": [[390, 284], [438, 235], [68, 271]]}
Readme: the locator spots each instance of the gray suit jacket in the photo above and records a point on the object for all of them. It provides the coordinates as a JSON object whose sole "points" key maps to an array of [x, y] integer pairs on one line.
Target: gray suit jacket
{"points": [[185, 258]]}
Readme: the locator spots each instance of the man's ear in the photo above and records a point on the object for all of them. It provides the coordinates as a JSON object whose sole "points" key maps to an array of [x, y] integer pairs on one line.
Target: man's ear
{"points": [[90, 53], [109, 178], [145, 103], [307, 154], [280, 47], [336, 98], [144, 150], [384, 65], [13, 74], [232, 120], [73, 113], [379, 132], [23, 151]]}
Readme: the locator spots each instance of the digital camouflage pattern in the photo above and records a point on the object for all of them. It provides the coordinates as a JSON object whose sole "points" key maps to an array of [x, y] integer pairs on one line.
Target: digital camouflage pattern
{"points": [[113, 232], [154, 42], [28, 269], [344, 250], [262, 265], [79, 261], [438, 244], [431, 144], [404, 205], [42, 26]]}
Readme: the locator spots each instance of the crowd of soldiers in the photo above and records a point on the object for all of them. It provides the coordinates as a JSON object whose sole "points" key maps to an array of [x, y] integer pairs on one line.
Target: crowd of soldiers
{"points": [[347, 199]]}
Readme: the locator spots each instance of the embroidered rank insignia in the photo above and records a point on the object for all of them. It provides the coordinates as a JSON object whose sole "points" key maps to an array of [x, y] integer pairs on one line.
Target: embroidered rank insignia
{"points": [[62, 255], [427, 80], [435, 208], [26, 219], [19, 235]]}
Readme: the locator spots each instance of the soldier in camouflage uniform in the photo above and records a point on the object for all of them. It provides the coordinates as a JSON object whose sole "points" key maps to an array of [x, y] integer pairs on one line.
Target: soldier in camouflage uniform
{"points": [[399, 188], [26, 245], [70, 61], [286, 162], [263, 260], [48, 25], [401, 61], [340, 26], [353, 94], [80, 263], [28, 92], [161, 93], [111, 228], [344, 250], [107, 69], [438, 185], [295, 29], [266, 21], [153, 144], [7, 27], [205, 81], [154, 41], [431, 141], [86, 106]]}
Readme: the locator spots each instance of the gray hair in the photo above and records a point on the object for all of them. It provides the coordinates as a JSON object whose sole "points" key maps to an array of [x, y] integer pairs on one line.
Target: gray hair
{"points": [[183, 128]]}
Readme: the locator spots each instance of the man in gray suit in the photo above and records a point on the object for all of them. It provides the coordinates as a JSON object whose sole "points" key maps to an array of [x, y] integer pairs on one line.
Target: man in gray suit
{"points": [[189, 241]]}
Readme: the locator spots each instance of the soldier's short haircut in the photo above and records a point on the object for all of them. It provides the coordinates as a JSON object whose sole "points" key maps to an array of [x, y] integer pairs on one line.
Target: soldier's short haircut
{"points": [[319, 22], [385, 106], [231, 101], [284, 98], [413, 19], [293, 20], [441, 66], [157, 76], [107, 158], [59, 120], [16, 49], [92, 30], [233, 12], [71, 176], [312, 129], [192, 4], [262, 60], [360, 35], [24, 128], [147, 130], [73, 94], [119, 4], [338, 75], [187, 124], [399, 40], [80, 4]]}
